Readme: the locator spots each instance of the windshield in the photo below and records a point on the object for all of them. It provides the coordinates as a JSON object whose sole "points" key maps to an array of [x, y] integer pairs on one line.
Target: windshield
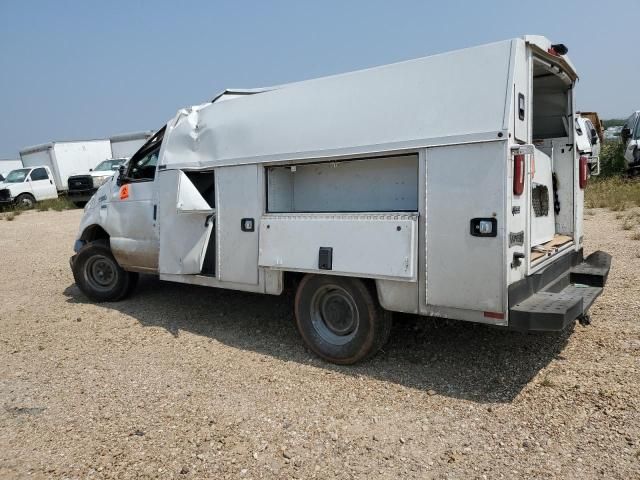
{"points": [[108, 165], [17, 176]]}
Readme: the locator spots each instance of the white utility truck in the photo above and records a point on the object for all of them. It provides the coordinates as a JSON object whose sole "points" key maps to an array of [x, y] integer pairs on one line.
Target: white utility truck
{"points": [[425, 187], [66, 158], [24, 187]]}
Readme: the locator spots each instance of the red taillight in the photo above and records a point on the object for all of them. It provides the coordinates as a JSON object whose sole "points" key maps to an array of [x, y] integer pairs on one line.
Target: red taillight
{"points": [[584, 172], [518, 174]]}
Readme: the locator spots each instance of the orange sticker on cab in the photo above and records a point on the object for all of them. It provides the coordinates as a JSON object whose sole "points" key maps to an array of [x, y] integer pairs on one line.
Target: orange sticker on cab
{"points": [[124, 192]]}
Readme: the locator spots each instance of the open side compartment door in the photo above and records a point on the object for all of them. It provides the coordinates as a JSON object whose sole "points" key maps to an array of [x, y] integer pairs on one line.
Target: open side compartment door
{"points": [[187, 220]]}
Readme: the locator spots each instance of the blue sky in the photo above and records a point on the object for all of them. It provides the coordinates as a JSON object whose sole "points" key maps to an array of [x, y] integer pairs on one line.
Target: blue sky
{"points": [[89, 69]]}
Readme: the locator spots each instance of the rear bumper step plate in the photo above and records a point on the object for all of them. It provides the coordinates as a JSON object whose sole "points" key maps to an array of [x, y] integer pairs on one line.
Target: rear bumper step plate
{"points": [[554, 311]]}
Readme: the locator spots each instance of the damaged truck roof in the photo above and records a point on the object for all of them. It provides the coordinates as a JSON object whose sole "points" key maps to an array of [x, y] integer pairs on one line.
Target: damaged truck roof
{"points": [[455, 97]]}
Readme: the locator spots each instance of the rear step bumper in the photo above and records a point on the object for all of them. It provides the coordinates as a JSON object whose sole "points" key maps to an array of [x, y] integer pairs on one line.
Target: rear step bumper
{"points": [[562, 298]]}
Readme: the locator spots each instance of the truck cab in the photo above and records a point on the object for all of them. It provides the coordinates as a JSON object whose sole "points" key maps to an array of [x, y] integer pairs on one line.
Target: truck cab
{"points": [[25, 186]]}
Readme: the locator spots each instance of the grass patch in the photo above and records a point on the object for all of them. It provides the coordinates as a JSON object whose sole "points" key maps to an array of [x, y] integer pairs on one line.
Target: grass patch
{"points": [[635, 236], [546, 382], [58, 204], [627, 225], [9, 217], [617, 194]]}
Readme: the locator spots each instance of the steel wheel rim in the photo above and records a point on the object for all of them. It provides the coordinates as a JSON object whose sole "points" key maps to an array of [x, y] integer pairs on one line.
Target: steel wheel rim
{"points": [[334, 314], [100, 273], [26, 202]]}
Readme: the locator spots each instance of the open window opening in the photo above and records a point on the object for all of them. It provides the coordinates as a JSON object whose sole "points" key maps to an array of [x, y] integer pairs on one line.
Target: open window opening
{"points": [[380, 184], [553, 163]]}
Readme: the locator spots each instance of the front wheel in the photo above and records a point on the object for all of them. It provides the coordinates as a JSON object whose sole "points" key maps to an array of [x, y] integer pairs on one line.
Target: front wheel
{"points": [[99, 276], [25, 200], [339, 318]]}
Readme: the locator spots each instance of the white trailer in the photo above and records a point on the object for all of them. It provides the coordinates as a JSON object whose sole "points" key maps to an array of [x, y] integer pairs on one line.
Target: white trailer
{"points": [[67, 158], [126, 144], [8, 164], [445, 186]]}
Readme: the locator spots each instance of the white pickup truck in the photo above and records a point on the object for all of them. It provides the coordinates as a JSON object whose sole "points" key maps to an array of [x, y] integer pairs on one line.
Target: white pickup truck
{"points": [[83, 186], [25, 186]]}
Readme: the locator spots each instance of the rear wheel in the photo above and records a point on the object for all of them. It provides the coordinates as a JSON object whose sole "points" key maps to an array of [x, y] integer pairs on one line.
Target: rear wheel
{"points": [[25, 200], [340, 319], [99, 276]]}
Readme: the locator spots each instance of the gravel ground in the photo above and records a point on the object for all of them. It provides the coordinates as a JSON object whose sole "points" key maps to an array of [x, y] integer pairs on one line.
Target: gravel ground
{"points": [[187, 382]]}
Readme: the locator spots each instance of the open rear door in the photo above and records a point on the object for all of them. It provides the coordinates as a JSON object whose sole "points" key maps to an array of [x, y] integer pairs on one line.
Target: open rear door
{"points": [[187, 222]]}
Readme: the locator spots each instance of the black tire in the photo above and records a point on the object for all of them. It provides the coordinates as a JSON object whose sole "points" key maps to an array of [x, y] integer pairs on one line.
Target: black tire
{"points": [[25, 200], [80, 204], [340, 319], [99, 276]]}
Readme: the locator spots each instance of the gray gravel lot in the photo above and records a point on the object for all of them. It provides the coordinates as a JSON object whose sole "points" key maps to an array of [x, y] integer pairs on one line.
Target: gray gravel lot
{"points": [[188, 382]]}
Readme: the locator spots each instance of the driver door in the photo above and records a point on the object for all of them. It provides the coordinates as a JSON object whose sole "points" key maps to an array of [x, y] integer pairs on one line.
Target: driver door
{"points": [[133, 210]]}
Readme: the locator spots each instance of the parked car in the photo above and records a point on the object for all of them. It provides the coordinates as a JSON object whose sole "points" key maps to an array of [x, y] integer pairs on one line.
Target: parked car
{"points": [[404, 188], [631, 138], [82, 187], [26, 186]]}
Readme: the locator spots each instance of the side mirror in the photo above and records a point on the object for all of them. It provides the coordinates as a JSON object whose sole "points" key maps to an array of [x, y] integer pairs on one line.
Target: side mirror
{"points": [[121, 172], [625, 134], [594, 137]]}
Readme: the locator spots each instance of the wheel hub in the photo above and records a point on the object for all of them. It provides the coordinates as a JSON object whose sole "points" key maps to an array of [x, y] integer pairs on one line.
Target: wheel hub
{"points": [[100, 272], [334, 314]]}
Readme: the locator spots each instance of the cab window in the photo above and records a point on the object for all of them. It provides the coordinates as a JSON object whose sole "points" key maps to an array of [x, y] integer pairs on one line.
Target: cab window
{"points": [[39, 174], [142, 166]]}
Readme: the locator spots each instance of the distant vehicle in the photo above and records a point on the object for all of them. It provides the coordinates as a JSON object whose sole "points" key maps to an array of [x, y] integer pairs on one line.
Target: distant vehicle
{"points": [[588, 143], [594, 118], [26, 186], [630, 135], [612, 133], [67, 158], [82, 187], [126, 144]]}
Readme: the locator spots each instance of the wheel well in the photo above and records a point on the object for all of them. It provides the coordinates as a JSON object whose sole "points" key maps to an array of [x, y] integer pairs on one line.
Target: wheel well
{"points": [[26, 194], [93, 233], [291, 280]]}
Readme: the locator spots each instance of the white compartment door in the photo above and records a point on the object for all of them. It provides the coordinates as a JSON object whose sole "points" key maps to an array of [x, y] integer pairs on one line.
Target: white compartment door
{"points": [[238, 196], [186, 224]]}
